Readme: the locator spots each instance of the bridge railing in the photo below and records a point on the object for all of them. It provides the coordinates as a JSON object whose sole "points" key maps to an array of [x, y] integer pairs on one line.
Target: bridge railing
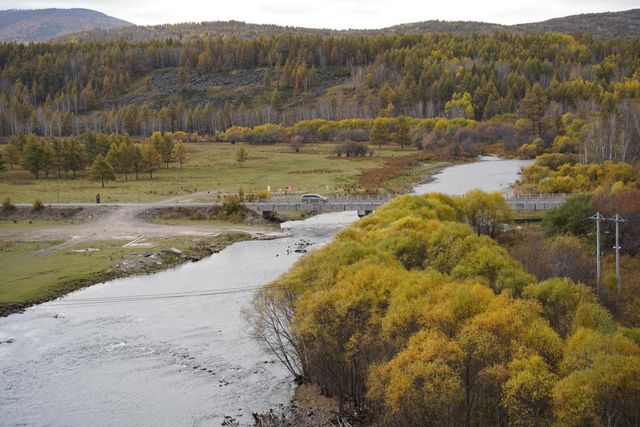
{"points": [[518, 202], [362, 197], [387, 197], [539, 196], [333, 199]]}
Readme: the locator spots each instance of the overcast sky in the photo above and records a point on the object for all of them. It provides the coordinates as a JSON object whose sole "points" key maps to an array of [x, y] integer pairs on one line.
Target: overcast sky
{"points": [[339, 14]]}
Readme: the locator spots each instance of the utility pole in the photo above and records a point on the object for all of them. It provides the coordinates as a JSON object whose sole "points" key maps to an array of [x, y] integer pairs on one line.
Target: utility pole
{"points": [[618, 219], [598, 217]]}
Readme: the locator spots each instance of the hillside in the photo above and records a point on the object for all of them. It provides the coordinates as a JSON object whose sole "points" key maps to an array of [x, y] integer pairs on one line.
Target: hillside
{"points": [[209, 85], [193, 31], [45, 24], [449, 27], [600, 25]]}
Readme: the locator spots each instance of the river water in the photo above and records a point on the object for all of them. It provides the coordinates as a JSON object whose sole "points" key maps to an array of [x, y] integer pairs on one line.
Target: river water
{"points": [[488, 174], [171, 348]]}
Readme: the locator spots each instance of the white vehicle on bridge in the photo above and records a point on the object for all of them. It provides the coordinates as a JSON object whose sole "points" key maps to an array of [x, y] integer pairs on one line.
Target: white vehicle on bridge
{"points": [[313, 198]]}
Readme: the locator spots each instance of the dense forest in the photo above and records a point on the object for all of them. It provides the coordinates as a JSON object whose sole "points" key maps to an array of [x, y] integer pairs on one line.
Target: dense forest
{"points": [[412, 317], [211, 84]]}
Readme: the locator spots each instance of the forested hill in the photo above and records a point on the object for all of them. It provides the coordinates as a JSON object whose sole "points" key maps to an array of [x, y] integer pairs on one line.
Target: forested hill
{"points": [[607, 25], [243, 30], [600, 25], [45, 24], [209, 85]]}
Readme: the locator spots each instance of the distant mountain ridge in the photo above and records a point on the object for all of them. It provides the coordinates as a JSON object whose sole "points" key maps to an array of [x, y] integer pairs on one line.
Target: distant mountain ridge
{"points": [[606, 25], [45, 24], [86, 24], [602, 25]]}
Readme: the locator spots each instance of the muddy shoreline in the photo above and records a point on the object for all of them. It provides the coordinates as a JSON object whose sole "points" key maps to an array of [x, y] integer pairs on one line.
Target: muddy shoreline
{"points": [[307, 408]]}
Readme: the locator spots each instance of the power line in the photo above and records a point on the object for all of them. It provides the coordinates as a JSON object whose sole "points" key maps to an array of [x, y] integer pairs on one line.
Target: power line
{"points": [[618, 219], [598, 217], [133, 298], [148, 297]]}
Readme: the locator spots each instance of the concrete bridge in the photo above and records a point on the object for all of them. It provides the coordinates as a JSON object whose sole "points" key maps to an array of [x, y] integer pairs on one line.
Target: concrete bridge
{"points": [[364, 205], [535, 202]]}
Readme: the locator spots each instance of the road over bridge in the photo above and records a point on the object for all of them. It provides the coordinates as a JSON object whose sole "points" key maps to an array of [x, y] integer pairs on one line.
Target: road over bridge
{"points": [[363, 204], [535, 202]]}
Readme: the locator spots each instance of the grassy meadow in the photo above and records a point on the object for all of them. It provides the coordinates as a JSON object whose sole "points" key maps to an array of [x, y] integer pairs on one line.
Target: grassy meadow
{"points": [[31, 276], [213, 168]]}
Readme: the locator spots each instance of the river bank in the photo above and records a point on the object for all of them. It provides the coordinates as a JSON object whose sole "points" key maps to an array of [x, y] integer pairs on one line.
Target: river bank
{"points": [[49, 252], [82, 266], [308, 408]]}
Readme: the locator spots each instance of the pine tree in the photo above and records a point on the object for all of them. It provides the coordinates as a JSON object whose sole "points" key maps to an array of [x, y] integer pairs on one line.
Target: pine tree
{"points": [[12, 154], [33, 156], [151, 159], [137, 162], [180, 153], [241, 155], [74, 155], [164, 146], [101, 170], [402, 135], [533, 106], [379, 134]]}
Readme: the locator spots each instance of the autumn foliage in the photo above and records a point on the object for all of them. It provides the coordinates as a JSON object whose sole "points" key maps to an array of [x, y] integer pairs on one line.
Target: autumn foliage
{"points": [[410, 318], [559, 173]]}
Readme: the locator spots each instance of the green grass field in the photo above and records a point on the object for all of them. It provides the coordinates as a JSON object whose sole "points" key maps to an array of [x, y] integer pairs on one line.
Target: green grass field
{"points": [[28, 277], [212, 168]]}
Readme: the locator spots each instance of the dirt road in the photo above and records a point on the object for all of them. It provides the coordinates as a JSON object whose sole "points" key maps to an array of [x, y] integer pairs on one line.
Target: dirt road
{"points": [[124, 223]]}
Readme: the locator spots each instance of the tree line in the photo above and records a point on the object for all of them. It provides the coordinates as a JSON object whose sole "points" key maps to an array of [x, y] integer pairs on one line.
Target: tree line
{"points": [[67, 88], [566, 139], [103, 155]]}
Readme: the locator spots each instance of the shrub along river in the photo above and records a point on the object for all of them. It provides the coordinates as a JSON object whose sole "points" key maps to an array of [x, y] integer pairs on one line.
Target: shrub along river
{"points": [[172, 348]]}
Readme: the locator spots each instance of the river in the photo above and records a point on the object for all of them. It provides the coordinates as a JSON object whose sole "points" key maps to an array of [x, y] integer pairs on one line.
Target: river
{"points": [[171, 348], [488, 174]]}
